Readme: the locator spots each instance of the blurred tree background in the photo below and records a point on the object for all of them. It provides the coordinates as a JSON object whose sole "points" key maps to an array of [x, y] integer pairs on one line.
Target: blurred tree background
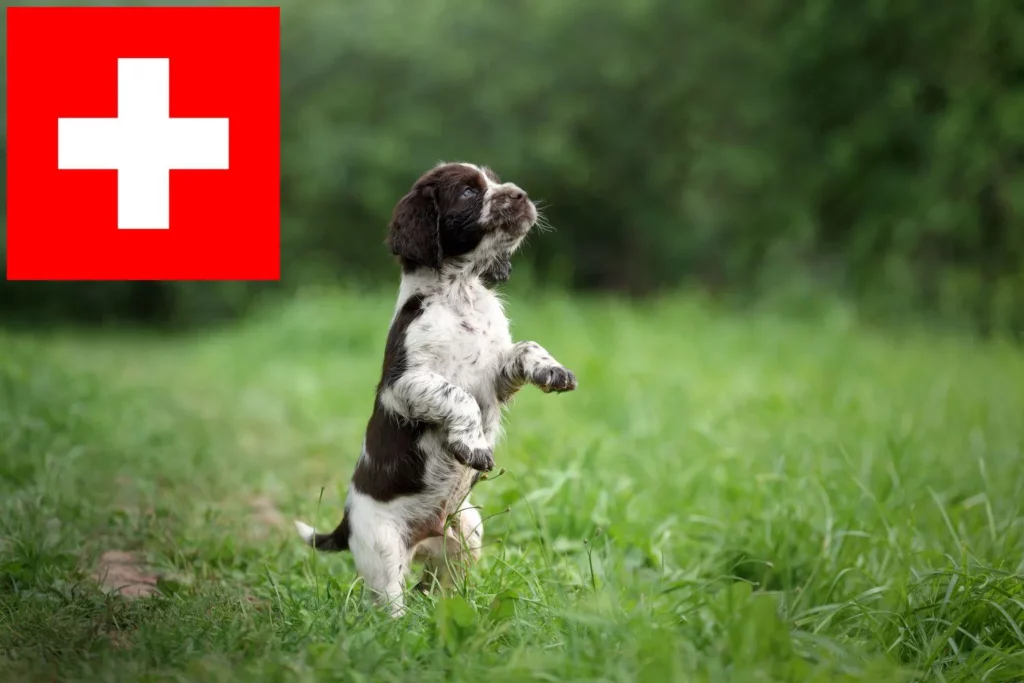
{"points": [[873, 149]]}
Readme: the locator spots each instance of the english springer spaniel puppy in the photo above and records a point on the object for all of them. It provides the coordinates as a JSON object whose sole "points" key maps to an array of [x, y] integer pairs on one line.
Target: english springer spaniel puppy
{"points": [[450, 366]]}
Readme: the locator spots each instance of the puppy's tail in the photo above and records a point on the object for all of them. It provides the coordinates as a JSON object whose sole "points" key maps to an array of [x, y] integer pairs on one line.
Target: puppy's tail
{"points": [[332, 542]]}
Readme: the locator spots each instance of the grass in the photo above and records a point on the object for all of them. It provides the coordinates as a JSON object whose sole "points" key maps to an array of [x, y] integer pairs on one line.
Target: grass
{"points": [[725, 498]]}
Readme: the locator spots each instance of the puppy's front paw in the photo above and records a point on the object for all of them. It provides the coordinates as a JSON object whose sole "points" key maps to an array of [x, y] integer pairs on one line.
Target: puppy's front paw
{"points": [[554, 378], [480, 459], [471, 449]]}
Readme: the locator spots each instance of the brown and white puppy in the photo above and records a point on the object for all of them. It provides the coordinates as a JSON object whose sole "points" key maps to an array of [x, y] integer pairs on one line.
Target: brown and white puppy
{"points": [[449, 367]]}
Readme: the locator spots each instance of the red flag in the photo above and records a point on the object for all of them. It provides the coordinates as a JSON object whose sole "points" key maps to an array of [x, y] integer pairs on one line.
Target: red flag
{"points": [[143, 143]]}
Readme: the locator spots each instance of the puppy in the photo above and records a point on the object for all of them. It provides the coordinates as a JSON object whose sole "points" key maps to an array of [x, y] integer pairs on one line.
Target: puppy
{"points": [[450, 366]]}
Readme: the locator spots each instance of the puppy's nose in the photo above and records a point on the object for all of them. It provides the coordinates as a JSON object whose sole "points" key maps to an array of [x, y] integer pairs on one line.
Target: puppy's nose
{"points": [[514, 192]]}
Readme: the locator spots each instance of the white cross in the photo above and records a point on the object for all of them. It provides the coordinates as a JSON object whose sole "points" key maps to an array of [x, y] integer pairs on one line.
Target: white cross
{"points": [[143, 143]]}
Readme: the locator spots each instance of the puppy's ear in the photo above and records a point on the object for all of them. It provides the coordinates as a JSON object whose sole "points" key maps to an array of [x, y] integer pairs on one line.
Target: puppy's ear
{"points": [[498, 271], [414, 233]]}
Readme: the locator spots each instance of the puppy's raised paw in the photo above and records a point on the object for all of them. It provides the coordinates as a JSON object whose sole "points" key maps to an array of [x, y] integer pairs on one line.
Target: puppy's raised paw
{"points": [[555, 379]]}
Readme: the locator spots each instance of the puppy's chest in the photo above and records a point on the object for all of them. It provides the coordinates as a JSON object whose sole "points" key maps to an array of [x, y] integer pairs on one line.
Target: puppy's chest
{"points": [[462, 340]]}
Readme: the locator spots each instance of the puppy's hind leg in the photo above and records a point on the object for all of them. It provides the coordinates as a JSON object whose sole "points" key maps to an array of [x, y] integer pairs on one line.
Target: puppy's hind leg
{"points": [[382, 558], [459, 548]]}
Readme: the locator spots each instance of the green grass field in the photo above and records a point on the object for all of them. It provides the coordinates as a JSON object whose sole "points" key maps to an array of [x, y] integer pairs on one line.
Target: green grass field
{"points": [[727, 497]]}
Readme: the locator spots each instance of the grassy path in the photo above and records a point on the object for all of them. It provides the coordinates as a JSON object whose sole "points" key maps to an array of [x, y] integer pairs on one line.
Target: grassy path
{"points": [[725, 498]]}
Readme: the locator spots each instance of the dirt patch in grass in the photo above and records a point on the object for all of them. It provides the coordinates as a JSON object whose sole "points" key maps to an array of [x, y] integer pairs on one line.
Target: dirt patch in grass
{"points": [[123, 573]]}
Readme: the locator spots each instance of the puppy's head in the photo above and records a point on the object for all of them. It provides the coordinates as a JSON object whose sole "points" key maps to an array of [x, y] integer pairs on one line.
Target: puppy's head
{"points": [[461, 213]]}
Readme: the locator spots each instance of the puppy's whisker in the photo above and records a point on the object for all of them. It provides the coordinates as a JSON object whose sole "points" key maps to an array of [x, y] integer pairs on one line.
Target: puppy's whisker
{"points": [[542, 224]]}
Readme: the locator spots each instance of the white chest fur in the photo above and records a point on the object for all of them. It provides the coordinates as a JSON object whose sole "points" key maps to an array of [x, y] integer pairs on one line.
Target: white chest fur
{"points": [[461, 335]]}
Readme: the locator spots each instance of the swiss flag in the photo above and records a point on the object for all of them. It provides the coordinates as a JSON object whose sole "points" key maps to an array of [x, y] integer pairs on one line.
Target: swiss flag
{"points": [[143, 143]]}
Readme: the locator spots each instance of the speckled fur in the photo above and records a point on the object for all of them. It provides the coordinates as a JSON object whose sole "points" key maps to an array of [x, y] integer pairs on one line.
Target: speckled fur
{"points": [[450, 367]]}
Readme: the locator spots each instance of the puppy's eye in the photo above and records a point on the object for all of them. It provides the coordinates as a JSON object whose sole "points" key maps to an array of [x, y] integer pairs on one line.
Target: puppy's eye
{"points": [[469, 192]]}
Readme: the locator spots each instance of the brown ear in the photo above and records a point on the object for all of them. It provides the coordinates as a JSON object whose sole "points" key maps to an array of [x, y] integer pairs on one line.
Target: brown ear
{"points": [[414, 232]]}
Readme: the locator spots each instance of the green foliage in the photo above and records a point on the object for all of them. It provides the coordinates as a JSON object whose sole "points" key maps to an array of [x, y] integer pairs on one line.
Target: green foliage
{"points": [[732, 499], [873, 148]]}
